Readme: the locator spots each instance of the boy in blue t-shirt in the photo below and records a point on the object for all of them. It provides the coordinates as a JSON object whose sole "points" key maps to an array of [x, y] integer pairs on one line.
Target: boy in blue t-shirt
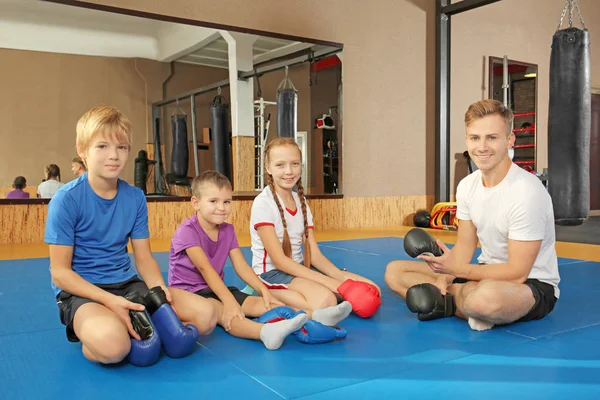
{"points": [[90, 221]]}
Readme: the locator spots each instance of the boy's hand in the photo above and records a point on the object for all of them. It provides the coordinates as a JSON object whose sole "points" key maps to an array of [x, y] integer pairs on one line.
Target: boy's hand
{"points": [[167, 293], [121, 306], [270, 300], [231, 310]]}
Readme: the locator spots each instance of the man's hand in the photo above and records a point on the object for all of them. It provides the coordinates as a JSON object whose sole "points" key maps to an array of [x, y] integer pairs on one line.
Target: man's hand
{"points": [[442, 283], [444, 264]]}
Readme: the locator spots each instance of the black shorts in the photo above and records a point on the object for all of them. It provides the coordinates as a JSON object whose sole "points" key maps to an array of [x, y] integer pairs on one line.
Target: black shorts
{"points": [[68, 304], [239, 296], [543, 293]]}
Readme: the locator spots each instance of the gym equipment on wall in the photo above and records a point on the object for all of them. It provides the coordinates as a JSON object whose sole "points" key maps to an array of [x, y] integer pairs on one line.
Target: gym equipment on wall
{"points": [[569, 122], [180, 155], [287, 108], [140, 171], [220, 135], [262, 124]]}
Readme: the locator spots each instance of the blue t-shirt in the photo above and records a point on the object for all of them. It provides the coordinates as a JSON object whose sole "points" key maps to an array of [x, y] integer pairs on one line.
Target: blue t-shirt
{"points": [[97, 228]]}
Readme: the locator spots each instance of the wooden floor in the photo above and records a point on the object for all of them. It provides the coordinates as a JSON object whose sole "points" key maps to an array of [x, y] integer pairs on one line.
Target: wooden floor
{"points": [[568, 250]]}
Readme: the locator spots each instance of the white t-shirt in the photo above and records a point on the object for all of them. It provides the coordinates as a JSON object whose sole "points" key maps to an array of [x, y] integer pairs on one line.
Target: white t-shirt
{"points": [[265, 212], [48, 188], [518, 208]]}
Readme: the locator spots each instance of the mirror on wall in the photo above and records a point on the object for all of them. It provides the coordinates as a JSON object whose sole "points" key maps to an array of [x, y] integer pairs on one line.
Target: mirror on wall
{"points": [[516, 81], [60, 60]]}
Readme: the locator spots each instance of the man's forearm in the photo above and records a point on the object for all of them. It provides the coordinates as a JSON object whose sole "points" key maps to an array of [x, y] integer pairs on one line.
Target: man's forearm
{"points": [[499, 272]]}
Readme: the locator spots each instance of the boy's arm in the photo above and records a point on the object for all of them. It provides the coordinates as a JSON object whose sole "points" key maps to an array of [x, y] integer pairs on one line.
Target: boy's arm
{"points": [[214, 281], [147, 266], [66, 279]]}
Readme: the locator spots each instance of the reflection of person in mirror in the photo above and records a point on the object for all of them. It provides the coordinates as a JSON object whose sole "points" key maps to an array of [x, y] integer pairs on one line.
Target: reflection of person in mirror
{"points": [[281, 223], [19, 184], [51, 184], [78, 166]]}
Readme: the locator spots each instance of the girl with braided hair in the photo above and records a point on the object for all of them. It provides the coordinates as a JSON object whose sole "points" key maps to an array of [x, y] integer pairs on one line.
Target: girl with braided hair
{"points": [[281, 224]]}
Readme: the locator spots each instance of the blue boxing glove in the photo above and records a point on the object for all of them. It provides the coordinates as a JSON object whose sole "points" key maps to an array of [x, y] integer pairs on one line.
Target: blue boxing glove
{"points": [[312, 332], [178, 340], [276, 314], [144, 352]]}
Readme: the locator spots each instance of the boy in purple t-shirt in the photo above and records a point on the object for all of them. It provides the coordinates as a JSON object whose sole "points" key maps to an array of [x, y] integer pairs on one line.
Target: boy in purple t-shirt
{"points": [[199, 250], [19, 184]]}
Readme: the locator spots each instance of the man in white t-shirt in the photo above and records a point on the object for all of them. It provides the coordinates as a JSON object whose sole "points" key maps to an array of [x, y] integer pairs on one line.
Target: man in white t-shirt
{"points": [[509, 212]]}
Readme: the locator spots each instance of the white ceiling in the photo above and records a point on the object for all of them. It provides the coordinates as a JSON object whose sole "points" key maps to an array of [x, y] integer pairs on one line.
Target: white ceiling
{"points": [[51, 27]]}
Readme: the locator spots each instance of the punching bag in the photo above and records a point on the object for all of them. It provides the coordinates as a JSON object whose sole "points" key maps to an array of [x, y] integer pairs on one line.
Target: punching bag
{"points": [[569, 124], [179, 156], [287, 108], [140, 173], [220, 136]]}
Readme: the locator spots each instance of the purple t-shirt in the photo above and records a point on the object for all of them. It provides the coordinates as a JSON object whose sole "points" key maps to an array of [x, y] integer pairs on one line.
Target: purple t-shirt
{"points": [[183, 274], [17, 194]]}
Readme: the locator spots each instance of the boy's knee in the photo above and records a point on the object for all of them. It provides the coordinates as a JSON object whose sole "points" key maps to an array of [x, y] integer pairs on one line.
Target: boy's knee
{"points": [[206, 320], [107, 347]]}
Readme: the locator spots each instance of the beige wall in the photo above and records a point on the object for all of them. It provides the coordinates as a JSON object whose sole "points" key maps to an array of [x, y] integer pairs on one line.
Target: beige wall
{"points": [[43, 96]]}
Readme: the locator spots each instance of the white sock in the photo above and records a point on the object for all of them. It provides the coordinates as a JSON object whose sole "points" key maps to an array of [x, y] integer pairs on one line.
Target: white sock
{"points": [[273, 335], [479, 325], [330, 316]]}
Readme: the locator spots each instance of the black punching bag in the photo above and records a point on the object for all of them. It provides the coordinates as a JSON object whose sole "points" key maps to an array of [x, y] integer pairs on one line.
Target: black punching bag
{"points": [[287, 108], [220, 136], [569, 124], [140, 172], [180, 156]]}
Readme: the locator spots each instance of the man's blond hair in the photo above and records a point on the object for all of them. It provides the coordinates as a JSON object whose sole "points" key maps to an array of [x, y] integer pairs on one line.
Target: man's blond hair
{"points": [[487, 107]]}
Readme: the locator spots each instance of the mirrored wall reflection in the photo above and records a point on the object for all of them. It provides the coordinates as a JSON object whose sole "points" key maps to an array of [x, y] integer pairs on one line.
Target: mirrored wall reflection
{"points": [[517, 83], [59, 61]]}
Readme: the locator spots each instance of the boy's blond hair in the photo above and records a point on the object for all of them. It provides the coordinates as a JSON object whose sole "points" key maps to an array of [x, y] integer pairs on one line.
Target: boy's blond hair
{"points": [[103, 120], [214, 177], [487, 107]]}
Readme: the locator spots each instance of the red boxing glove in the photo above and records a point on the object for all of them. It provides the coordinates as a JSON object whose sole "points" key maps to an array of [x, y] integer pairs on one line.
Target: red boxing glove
{"points": [[363, 296]]}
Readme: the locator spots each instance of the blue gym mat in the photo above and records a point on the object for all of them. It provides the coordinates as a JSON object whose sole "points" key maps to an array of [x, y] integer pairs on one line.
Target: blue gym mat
{"points": [[391, 354]]}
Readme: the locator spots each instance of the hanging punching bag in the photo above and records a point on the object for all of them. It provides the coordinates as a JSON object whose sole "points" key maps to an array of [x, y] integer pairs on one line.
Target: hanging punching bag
{"points": [[140, 172], [220, 136], [569, 124], [287, 108], [179, 156]]}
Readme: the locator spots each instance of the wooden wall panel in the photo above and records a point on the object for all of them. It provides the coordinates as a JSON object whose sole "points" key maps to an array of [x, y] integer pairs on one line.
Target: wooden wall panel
{"points": [[243, 163], [26, 223], [22, 223]]}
